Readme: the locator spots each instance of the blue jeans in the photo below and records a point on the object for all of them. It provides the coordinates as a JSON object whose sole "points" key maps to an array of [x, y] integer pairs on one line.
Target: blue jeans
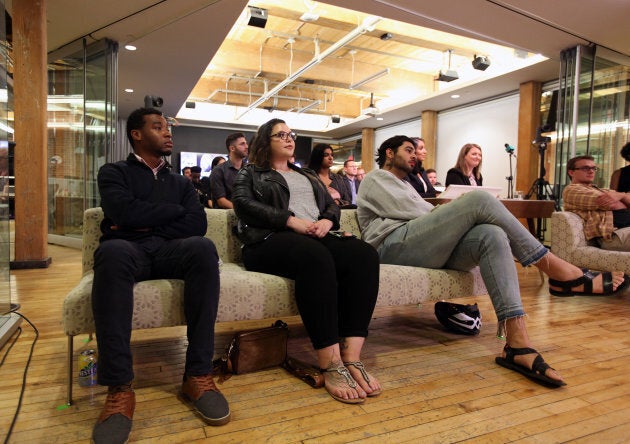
{"points": [[475, 229], [119, 264]]}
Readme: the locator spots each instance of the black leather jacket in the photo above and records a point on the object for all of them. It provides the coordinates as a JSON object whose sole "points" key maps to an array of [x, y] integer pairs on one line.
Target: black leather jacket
{"points": [[261, 202]]}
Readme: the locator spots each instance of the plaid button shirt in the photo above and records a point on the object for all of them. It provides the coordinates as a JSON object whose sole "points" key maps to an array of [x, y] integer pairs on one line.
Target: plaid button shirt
{"points": [[582, 200]]}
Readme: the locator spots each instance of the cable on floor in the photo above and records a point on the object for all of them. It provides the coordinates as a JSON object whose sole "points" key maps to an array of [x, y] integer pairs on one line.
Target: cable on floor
{"points": [[14, 309]]}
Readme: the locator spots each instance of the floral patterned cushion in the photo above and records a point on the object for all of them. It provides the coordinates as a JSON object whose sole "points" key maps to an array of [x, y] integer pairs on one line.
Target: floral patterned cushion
{"points": [[244, 294], [569, 243]]}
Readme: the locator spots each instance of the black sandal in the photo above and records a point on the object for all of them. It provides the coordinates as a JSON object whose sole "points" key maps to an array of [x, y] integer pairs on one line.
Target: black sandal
{"points": [[587, 281], [536, 373]]}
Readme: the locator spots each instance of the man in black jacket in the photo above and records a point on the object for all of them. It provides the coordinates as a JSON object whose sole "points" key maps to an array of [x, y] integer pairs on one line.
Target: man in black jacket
{"points": [[153, 228]]}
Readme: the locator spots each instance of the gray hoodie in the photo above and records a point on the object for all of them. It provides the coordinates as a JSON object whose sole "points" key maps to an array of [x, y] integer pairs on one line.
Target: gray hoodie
{"points": [[385, 203]]}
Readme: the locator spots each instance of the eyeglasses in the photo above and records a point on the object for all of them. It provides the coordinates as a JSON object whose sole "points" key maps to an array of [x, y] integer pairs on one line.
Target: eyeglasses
{"points": [[285, 136], [587, 168]]}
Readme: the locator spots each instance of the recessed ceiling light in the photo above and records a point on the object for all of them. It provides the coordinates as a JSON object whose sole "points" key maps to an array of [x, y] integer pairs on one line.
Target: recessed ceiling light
{"points": [[130, 47], [379, 118], [128, 90], [455, 96]]}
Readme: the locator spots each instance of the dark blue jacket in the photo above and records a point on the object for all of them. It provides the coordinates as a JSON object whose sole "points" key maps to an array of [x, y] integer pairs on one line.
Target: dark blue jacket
{"points": [[138, 204]]}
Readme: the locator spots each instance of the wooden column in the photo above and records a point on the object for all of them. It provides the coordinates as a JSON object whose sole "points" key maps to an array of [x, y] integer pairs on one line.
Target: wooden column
{"points": [[31, 150], [367, 149], [429, 134], [527, 164]]}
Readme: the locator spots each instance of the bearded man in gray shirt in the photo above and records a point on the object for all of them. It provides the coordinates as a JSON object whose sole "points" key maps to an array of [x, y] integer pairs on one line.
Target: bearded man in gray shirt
{"points": [[474, 230]]}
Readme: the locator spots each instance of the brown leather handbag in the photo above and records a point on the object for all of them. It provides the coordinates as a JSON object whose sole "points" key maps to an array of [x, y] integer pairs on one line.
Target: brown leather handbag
{"points": [[254, 350]]}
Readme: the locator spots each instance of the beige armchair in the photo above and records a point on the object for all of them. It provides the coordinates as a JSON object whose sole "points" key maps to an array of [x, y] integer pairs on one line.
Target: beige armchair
{"points": [[569, 243]]}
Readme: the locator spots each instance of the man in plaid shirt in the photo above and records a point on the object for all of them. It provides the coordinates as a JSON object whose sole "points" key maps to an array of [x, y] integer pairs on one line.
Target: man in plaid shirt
{"points": [[605, 212]]}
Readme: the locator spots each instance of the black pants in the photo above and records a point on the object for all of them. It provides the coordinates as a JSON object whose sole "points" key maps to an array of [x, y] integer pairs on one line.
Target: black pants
{"points": [[119, 264], [336, 281]]}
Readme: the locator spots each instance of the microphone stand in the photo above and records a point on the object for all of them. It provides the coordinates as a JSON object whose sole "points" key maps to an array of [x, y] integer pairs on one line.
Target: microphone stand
{"points": [[510, 178]]}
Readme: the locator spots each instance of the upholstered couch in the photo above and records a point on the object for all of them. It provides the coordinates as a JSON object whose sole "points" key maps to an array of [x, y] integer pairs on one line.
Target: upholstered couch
{"points": [[244, 295], [569, 243]]}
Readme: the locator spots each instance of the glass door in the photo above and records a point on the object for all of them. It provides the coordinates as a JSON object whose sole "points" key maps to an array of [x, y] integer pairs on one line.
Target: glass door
{"points": [[81, 130], [594, 112]]}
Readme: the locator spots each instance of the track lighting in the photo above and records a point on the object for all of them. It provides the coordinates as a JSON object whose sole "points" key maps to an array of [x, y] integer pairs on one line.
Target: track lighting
{"points": [[375, 76]]}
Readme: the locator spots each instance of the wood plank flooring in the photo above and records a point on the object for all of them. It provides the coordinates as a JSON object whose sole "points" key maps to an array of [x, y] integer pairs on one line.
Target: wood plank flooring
{"points": [[438, 387]]}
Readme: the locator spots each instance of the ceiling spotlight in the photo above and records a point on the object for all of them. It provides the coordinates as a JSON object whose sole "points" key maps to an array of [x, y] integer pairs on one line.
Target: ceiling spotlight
{"points": [[481, 62], [387, 36], [371, 110], [256, 17], [309, 17], [447, 75]]}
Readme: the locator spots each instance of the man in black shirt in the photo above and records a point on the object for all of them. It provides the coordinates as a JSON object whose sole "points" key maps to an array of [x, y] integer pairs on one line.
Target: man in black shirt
{"points": [[223, 176], [153, 228]]}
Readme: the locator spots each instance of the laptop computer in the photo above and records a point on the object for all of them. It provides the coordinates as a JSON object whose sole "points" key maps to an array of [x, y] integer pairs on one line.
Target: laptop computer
{"points": [[454, 191]]}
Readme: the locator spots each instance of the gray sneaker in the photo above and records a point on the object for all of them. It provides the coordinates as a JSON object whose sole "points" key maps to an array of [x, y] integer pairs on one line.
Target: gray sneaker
{"points": [[114, 423], [208, 401]]}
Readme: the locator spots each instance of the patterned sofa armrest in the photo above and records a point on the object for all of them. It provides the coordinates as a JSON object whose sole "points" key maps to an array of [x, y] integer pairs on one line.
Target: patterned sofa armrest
{"points": [[92, 218], [349, 222], [220, 225], [569, 243], [567, 230]]}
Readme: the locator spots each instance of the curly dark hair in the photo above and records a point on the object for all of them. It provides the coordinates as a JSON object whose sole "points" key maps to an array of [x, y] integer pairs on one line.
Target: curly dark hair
{"points": [[136, 120], [317, 156], [625, 152], [392, 143], [260, 149]]}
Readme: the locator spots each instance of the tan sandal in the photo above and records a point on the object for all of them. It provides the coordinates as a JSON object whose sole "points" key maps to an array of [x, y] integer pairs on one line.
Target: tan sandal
{"points": [[342, 371], [361, 367]]}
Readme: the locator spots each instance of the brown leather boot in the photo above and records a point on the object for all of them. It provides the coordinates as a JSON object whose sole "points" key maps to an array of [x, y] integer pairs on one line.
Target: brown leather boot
{"points": [[114, 422], [208, 401]]}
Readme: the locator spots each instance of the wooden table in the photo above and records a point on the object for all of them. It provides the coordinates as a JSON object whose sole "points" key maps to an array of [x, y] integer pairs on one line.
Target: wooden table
{"points": [[523, 209]]}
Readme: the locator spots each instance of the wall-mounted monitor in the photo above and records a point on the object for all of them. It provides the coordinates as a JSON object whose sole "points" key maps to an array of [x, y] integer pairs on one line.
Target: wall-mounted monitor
{"points": [[203, 160]]}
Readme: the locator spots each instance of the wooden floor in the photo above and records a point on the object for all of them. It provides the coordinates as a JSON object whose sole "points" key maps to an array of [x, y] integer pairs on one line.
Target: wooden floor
{"points": [[438, 387]]}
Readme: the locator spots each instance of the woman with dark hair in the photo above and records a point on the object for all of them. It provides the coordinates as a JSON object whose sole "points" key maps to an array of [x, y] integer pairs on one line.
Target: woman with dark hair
{"points": [[620, 179], [321, 161], [467, 169], [216, 162], [285, 220], [418, 177]]}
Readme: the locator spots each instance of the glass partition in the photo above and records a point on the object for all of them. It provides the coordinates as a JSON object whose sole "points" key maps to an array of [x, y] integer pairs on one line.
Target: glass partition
{"points": [[81, 130], [594, 107], [8, 321]]}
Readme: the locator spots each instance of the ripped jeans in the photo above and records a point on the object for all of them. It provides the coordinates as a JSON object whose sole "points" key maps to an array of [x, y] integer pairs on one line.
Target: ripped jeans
{"points": [[475, 229]]}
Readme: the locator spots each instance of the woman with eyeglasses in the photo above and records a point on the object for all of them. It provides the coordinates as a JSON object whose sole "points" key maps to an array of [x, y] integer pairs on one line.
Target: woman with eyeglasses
{"points": [[321, 161], [285, 220]]}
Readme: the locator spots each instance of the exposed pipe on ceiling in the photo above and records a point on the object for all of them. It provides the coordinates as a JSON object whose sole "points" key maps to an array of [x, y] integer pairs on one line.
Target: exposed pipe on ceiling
{"points": [[367, 25]]}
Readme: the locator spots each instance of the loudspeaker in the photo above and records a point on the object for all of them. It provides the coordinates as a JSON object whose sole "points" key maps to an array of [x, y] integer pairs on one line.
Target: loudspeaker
{"points": [[335, 119], [153, 102], [191, 105], [481, 63], [257, 17]]}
